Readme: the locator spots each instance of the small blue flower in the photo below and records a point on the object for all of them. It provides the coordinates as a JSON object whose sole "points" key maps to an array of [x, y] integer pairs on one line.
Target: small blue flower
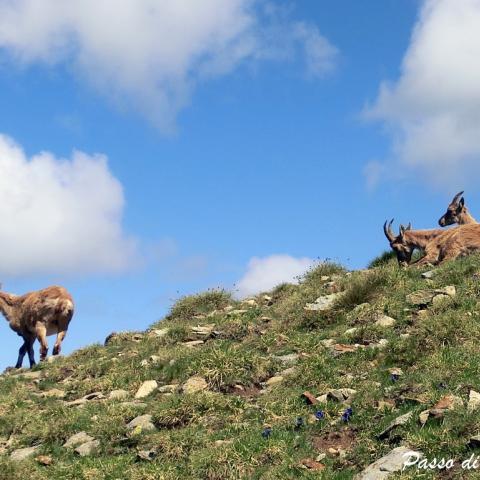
{"points": [[394, 377], [347, 414], [266, 432], [319, 415]]}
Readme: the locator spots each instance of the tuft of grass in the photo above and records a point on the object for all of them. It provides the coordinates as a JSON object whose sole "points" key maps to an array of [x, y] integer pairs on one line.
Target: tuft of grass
{"points": [[382, 259]]}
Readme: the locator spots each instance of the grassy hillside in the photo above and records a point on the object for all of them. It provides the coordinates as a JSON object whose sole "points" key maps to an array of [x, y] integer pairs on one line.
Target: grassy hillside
{"points": [[241, 422]]}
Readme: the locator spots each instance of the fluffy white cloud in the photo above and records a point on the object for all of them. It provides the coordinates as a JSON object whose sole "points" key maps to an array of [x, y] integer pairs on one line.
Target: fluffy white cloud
{"points": [[433, 109], [60, 216], [149, 54], [266, 273]]}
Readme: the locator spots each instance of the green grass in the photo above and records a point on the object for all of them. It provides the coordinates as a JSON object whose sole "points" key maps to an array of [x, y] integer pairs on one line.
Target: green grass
{"points": [[216, 434]]}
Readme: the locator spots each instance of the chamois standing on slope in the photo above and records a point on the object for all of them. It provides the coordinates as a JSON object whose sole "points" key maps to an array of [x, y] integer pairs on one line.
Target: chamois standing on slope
{"points": [[37, 315], [438, 245], [457, 212]]}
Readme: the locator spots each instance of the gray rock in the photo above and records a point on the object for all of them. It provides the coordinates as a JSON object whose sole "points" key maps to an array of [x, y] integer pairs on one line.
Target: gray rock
{"points": [[385, 321], [87, 448], [168, 388], [322, 303], [473, 401], [118, 394], [429, 274], [193, 343], [23, 453], [160, 332], [77, 439], [274, 381], [147, 387], [399, 421], [341, 395], [143, 421], [194, 384], [203, 330], [388, 464], [147, 455]]}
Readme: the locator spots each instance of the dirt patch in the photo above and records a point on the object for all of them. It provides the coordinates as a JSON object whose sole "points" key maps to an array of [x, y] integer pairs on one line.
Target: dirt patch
{"points": [[342, 440]]}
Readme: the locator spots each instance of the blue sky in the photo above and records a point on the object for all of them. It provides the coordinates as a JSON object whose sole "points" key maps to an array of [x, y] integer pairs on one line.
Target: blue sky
{"points": [[226, 143]]}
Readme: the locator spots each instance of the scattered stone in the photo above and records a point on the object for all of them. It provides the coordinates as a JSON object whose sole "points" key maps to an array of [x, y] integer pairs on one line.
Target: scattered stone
{"points": [[147, 455], [320, 457], [251, 302], [474, 441], [351, 331], [87, 398], [429, 274], [29, 375], [421, 297], [144, 363], [23, 453], [322, 303], [168, 388], [310, 464], [438, 299], [134, 404], [203, 330], [329, 342], [473, 400], [193, 343], [45, 460], [160, 332], [77, 439], [219, 443], [399, 421], [290, 359], [194, 384], [54, 392], [118, 394], [147, 387], [155, 359], [239, 311], [395, 371], [309, 398], [53, 358], [87, 448], [143, 423], [385, 321], [386, 405], [341, 348], [274, 381], [341, 395], [388, 464]]}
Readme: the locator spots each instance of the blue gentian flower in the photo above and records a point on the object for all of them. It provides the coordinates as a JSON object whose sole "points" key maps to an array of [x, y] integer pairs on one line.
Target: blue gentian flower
{"points": [[266, 432], [319, 415], [347, 414]]}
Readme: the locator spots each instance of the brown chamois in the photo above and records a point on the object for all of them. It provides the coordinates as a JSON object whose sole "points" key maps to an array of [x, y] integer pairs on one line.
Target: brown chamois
{"points": [[408, 240], [438, 245], [457, 212], [37, 315]]}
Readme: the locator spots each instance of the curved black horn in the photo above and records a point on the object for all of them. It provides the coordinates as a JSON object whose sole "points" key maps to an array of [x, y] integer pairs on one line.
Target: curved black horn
{"points": [[388, 230], [456, 198]]}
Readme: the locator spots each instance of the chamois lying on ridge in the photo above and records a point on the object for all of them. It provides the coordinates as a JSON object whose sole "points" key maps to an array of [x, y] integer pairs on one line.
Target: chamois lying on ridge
{"points": [[37, 315], [456, 212], [438, 245]]}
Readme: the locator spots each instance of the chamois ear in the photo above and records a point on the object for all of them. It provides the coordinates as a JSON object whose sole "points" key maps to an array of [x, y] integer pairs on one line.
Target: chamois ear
{"points": [[461, 203], [405, 229]]}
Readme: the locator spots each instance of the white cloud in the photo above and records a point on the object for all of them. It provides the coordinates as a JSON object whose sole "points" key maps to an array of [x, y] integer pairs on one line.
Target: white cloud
{"points": [[60, 216], [433, 109], [263, 274], [150, 54]]}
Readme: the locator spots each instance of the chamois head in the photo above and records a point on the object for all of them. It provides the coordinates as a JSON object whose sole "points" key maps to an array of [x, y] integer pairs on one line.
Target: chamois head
{"points": [[398, 244], [454, 211]]}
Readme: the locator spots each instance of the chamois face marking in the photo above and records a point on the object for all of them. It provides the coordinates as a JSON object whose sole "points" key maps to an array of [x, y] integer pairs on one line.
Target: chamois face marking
{"points": [[454, 211], [402, 249]]}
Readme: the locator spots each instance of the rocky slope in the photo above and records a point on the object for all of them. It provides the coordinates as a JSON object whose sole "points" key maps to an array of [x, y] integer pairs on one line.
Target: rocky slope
{"points": [[334, 378]]}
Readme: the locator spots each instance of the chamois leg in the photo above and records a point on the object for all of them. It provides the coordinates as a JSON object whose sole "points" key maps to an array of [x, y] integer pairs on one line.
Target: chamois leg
{"points": [[58, 342], [21, 353], [41, 332], [31, 356]]}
